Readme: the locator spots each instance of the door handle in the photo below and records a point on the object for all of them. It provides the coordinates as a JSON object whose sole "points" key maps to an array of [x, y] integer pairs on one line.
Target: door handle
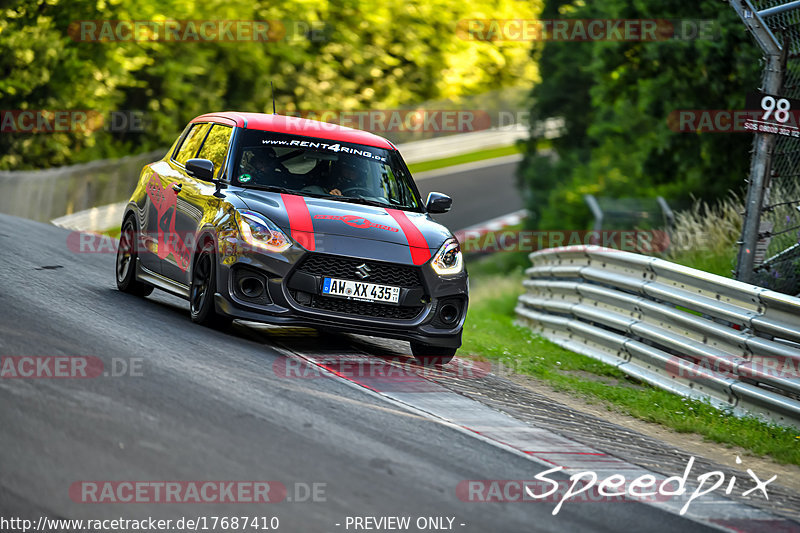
{"points": [[177, 187]]}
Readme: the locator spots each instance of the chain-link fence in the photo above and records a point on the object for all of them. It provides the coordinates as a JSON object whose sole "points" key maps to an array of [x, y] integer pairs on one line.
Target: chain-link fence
{"points": [[776, 255]]}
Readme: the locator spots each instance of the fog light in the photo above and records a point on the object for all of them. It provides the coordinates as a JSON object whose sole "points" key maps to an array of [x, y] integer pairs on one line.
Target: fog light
{"points": [[251, 287], [449, 313]]}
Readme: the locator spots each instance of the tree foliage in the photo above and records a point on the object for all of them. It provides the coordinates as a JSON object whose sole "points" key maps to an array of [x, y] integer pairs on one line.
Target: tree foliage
{"points": [[335, 55], [616, 97]]}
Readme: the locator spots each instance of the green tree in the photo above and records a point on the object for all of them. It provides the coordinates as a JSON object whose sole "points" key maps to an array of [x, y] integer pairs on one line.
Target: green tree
{"points": [[616, 98], [360, 55]]}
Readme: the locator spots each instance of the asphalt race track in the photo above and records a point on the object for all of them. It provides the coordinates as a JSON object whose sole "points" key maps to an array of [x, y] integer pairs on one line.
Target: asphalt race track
{"points": [[208, 405], [479, 194]]}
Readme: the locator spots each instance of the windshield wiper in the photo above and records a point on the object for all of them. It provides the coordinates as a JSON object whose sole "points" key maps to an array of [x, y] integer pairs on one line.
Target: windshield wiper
{"points": [[270, 188]]}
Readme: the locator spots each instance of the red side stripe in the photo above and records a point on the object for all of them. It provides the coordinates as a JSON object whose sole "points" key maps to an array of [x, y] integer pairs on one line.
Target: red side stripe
{"points": [[417, 243], [299, 220]]}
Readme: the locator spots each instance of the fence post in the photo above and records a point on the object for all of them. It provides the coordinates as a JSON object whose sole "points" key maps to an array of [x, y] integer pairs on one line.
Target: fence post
{"points": [[765, 142]]}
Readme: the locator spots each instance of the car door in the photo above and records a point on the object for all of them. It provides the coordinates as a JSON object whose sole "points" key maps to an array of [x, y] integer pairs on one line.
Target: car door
{"points": [[168, 183], [159, 199], [194, 199]]}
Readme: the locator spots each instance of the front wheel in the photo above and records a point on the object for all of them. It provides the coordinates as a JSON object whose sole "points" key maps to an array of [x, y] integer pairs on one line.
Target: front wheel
{"points": [[428, 355], [203, 288], [126, 262]]}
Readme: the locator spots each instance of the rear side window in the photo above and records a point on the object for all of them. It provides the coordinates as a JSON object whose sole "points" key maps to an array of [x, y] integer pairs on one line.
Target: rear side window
{"points": [[216, 146], [192, 143]]}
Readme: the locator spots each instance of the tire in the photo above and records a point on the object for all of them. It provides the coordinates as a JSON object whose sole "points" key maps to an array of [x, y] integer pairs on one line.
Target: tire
{"points": [[428, 355], [202, 290], [125, 264]]}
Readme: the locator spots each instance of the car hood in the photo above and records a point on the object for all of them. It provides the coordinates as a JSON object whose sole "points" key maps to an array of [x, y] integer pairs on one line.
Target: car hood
{"points": [[314, 221]]}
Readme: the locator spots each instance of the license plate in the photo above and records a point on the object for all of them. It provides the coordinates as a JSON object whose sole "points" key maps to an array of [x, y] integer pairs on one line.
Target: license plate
{"points": [[357, 290]]}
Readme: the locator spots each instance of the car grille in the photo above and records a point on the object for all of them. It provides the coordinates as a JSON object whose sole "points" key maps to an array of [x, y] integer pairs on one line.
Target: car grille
{"points": [[333, 266], [353, 307], [345, 268]]}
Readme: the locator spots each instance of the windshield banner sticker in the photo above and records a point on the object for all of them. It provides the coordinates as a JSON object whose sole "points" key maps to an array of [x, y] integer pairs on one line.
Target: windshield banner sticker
{"points": [[338, 147]]}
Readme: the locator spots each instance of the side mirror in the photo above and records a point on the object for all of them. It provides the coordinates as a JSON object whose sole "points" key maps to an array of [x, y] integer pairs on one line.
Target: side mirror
{"points": [[202, 169], [438, 203]]}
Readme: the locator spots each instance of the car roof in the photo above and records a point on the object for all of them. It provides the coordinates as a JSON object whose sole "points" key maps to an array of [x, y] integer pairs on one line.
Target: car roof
{"points": [[300, 126]]}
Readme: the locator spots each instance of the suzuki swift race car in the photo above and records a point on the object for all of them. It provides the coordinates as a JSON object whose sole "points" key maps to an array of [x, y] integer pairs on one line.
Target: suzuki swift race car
{"points": [[291, 221]]}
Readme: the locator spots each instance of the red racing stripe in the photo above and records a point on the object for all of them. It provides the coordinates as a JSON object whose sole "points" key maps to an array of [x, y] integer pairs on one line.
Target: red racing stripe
{"points": [[299, 220], [416, 241]]}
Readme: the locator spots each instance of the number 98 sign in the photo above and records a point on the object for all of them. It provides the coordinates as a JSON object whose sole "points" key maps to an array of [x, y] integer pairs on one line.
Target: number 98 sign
{"points": [[778, 108], [772, 114]]}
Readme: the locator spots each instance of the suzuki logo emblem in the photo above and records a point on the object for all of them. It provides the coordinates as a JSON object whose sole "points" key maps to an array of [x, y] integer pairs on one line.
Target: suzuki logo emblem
{"points": [[362, 271]]}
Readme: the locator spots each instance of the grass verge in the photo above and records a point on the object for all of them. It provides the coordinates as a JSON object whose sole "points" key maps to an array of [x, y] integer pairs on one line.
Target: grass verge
{"points": [[479, 155], [720, 263], [114, 233], [490, 333]]}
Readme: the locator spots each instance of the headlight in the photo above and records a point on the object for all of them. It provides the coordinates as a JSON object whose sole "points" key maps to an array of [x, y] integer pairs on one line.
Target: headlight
{"points": [[448, 260], [260, 232]]}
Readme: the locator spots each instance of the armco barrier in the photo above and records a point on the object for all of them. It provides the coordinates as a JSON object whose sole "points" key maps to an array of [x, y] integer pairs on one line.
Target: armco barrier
{"points": [[681, 329]]}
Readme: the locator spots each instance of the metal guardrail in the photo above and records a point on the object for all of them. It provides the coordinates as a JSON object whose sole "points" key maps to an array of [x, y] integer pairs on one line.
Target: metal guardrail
{"points": [[684, 330]]}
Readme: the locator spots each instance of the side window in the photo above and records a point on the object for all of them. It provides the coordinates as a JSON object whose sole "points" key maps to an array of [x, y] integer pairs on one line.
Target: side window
{"points": [[216, 146], [192, 143]]}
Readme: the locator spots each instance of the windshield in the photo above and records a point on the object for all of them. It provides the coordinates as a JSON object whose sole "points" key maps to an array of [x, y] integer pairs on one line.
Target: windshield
{"points": [[324, 168]]}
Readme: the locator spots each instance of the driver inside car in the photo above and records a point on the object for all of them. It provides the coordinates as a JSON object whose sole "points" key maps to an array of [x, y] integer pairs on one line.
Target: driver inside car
{"points": [[350, 176], [266, 167]]}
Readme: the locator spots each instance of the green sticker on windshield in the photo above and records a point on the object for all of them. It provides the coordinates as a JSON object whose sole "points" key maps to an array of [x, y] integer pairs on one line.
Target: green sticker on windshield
{"points": [[244, 178]]}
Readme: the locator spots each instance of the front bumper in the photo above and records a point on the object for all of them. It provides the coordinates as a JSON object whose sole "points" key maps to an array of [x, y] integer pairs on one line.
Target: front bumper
{"points": [[431, 309]]}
